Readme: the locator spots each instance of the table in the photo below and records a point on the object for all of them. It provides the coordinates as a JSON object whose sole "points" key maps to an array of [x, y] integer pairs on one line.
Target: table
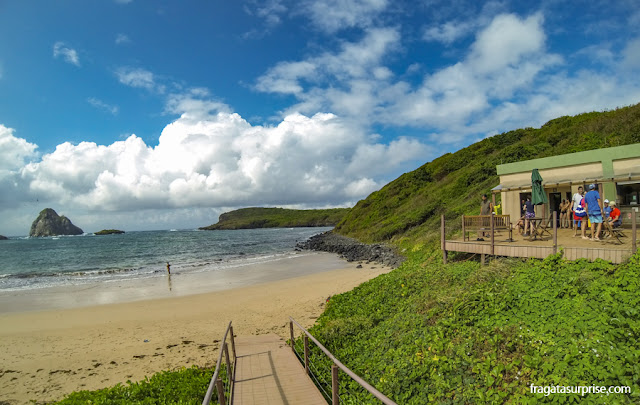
{"points": [[540, 228]]}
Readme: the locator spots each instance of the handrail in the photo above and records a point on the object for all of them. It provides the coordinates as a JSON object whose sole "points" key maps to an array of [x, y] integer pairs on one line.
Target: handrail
{"points": [[337, 362], [214, 378]]}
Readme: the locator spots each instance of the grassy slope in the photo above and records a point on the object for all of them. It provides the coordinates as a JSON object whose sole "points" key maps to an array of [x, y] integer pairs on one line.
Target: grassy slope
{"points": [[410, 206], [462, 333], [249, 218]]}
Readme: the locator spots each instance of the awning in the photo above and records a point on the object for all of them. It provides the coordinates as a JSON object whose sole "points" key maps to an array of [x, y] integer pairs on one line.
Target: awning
{"points": [[557, 182]]}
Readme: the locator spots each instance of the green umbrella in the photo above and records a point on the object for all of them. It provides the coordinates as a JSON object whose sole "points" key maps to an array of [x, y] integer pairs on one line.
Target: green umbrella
{"points": [[538, 195]]}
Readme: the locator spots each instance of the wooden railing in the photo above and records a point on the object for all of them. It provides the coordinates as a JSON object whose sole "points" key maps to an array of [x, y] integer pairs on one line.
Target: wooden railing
{"points": [[335, 398], [216, 381], [483, 223]]}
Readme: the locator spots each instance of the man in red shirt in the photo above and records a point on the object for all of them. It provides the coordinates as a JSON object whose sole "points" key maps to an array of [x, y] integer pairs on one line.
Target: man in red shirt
{"points": [[614, 217]]}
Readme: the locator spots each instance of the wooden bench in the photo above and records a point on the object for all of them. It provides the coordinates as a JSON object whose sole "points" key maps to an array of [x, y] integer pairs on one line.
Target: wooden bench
{"points": [[482, 223]]}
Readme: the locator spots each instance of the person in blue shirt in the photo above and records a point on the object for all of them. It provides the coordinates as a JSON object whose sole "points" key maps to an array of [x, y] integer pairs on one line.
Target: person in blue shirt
{"points": [[592, 204], [606, 209]]}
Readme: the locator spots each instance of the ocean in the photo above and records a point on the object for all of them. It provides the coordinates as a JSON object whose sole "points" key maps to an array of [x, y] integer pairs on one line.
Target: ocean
{"points": [[31, 263]]}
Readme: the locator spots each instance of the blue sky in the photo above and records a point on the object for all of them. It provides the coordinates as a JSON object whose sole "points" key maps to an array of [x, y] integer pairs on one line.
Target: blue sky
{"points": [[163, 114]]}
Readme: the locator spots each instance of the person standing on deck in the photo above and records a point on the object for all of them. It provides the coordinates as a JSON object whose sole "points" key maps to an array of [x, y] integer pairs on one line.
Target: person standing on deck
{"points": [[529, 214], [577, 198], [592, 204]]}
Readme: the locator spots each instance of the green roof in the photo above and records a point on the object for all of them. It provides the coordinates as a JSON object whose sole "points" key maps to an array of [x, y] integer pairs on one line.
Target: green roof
{"points": [[605, 155]]}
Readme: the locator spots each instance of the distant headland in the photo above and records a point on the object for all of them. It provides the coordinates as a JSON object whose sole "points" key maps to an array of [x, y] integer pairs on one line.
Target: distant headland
{"points": [[109, 232], [253, 218]]}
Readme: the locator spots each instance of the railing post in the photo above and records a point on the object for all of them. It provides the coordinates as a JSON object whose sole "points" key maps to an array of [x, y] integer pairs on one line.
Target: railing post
{"points": [[493, 240], [633, 232], [335, 398], [555, 232], [221, 399], [306, 354], [233, 343], [293, 347], [464, 233], [443, 243], [226, 356]]}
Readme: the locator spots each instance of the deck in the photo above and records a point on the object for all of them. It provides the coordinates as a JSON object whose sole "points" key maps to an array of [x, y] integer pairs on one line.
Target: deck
{"points": [[573, 248], [267, 372]]}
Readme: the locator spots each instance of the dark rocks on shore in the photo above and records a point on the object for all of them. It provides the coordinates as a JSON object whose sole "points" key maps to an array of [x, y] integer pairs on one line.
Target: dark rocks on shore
{"points": [[3, 238], [352, 249], [49, 223]]}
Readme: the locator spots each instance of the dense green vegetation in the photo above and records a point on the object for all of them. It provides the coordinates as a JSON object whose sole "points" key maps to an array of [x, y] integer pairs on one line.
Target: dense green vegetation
{"points": [[187, 386], [465, 333], [250, 218], [410, 206]]}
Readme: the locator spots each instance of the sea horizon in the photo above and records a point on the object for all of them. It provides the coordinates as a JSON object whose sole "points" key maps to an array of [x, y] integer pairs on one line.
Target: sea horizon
{"points": [[54, 261]]}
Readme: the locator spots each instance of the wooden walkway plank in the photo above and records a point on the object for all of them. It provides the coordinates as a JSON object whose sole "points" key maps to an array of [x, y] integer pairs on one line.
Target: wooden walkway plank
{"points": [[267, 372]]}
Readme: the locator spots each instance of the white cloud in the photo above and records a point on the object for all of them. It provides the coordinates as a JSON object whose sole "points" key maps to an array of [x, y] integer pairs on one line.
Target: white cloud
{"points": [[123, 1], [13, 151], [70, 55], [505, 79], [506, 41], [138, 78], [345, 81], [449, 32], [211, 157], [122, 39], [269, 10], [631, 55], [334, 15], [101, 105]]}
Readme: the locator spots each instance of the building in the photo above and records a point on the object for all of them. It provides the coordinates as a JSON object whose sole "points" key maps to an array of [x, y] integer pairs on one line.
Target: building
{"points": [[615, 170]]}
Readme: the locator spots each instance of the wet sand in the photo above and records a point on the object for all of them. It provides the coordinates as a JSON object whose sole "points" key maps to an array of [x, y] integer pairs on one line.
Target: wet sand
{"points": [[142, 329]]}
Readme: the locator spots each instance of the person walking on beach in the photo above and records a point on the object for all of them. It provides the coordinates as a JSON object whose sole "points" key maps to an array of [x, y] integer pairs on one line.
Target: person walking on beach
{"points": [[168, 268], [592, 203]]}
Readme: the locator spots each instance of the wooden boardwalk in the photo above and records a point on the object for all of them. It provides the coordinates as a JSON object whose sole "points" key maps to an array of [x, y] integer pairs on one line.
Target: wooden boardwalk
{"points": [[267, 372]]}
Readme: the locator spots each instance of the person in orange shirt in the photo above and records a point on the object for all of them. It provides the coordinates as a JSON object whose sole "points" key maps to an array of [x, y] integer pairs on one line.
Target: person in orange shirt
{"points": [[614, 217]]}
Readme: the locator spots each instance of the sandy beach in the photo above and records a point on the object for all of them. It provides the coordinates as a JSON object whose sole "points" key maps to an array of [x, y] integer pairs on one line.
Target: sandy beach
{"points": [[56, 341]]}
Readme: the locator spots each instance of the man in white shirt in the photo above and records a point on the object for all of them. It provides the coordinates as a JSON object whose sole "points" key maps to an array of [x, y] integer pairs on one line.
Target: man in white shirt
{"points": [[577, 197]]}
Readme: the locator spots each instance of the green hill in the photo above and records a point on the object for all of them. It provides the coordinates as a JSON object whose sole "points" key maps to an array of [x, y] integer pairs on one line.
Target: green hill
{"points": [[464, 333], [409, 207], [250, 218]]}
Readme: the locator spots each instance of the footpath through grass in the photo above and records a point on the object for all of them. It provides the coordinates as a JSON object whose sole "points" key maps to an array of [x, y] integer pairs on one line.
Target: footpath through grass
{"points": [[463, 333]]}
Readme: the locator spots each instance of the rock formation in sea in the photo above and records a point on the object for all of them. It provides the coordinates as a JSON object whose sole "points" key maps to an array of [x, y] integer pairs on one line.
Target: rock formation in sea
{"points": [[109, 232], [3, 238], [49, 223]]}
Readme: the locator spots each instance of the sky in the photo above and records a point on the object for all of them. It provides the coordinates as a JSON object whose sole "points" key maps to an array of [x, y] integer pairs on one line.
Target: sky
{"points": [[144, 115]]}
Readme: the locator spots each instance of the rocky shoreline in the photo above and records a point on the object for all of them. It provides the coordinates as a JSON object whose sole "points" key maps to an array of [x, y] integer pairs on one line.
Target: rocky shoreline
{"points": [[352, 249]]}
